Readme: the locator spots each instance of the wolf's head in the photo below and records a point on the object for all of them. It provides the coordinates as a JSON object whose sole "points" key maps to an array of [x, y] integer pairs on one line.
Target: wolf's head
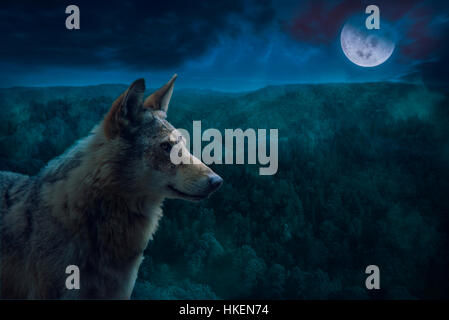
{"points": [[139, 141]]}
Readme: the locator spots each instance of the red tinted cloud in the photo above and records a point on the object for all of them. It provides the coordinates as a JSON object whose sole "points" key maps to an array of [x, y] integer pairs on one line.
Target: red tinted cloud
{"points": [[420, 40], [395, 10], [319, 22]]}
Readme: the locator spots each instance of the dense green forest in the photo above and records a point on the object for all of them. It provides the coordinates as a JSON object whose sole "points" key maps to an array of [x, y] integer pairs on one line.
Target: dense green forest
{"points": [[363, 179]]}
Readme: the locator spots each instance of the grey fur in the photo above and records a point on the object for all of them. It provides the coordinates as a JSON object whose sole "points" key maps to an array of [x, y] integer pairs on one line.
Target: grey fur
{"points": [[96, 206]]}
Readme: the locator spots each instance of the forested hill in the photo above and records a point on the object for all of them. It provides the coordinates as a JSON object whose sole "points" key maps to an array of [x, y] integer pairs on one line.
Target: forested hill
{"points": [[363, 179]]}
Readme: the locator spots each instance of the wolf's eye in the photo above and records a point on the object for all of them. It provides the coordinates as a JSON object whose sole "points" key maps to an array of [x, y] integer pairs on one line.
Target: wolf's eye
{"points": [[166, 146]]}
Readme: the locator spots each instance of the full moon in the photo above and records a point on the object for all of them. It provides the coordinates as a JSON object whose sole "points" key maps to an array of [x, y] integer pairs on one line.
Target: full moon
{"points": [[366, 48]]}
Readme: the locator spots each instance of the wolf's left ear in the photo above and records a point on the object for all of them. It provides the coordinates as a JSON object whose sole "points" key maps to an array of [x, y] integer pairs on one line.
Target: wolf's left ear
{"points": [[125, 110], [160, 99]]}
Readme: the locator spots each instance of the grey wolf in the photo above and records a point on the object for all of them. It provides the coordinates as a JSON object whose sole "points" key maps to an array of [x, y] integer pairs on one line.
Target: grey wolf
{"points": [[97, 205]]}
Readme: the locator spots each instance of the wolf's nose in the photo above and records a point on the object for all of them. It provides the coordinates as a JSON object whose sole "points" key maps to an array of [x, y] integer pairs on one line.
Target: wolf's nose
{"points": [[215, 182]]}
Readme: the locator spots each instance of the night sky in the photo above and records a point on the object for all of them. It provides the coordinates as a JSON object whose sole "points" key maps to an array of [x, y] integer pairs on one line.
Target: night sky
{"points": [[230, 45]]}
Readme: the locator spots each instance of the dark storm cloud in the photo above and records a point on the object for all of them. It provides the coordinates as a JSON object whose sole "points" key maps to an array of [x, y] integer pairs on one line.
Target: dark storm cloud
{"points": [[426, 43], [433, 71], [135, 34]]}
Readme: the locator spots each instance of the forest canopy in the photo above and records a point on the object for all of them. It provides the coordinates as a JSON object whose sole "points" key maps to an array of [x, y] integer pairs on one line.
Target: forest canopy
{"points": [[363, 179]]}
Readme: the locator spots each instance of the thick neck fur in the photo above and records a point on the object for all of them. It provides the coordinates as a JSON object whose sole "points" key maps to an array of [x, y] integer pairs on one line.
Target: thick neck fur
{"points": [[83, 191]]}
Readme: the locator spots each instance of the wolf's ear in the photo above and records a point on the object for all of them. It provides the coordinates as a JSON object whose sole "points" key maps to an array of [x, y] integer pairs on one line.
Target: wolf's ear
{"points": [[125, 109], [160, 99]]}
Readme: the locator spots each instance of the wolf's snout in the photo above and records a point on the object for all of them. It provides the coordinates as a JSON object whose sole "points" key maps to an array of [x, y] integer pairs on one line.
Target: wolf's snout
{"points": [[215, 181]]}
